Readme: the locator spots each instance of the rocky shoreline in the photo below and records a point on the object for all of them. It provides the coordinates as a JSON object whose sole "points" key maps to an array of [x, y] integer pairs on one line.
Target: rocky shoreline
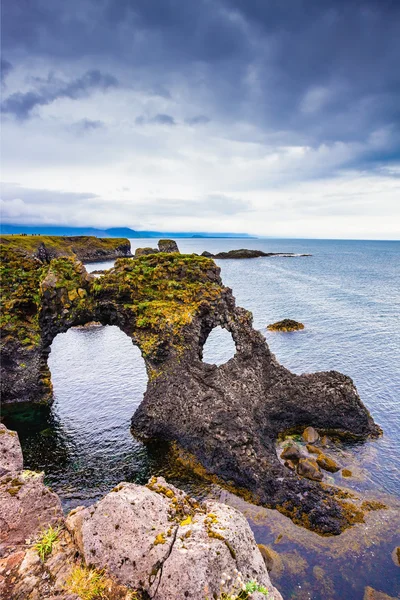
{"points": [[138, 542], [168, 303]]}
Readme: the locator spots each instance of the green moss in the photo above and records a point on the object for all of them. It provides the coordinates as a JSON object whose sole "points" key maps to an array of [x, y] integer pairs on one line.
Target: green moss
{"points": [[73, 246], [161, 294], [20, 297], [286, 325]]}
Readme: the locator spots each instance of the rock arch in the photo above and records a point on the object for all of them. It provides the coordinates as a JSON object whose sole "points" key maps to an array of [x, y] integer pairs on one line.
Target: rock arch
{"points": [[228, 417]]}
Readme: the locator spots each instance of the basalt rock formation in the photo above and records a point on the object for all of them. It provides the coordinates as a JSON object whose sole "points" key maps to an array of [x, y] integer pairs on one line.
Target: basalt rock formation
{"points": [[227, 417]]}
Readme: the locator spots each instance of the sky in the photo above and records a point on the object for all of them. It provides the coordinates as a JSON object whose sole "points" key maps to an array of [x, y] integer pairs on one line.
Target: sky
{"points": [[270, 117]]}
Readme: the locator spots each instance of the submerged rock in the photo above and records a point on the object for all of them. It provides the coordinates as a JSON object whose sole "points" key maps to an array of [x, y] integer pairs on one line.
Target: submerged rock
{"points": [[371, 594], [346, 473], [286, 325], [159, 540], [310, 435], [327, 463], [309, 468]]}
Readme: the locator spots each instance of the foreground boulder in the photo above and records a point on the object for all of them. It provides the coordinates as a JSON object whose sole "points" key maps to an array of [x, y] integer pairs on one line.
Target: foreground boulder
{"points": [[159, 540]]}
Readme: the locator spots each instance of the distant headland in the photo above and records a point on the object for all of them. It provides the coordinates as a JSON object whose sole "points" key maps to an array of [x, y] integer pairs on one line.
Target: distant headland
{"points": [[118, 232]]}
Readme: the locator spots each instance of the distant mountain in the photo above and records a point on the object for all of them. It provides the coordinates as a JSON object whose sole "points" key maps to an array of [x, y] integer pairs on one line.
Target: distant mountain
{"points": [[125, 232]]}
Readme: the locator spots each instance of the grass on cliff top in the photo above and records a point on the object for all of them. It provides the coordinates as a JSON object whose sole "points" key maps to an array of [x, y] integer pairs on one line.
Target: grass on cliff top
{"points": [[61, 245], [162, 291], [19, 295], [45, 541]]}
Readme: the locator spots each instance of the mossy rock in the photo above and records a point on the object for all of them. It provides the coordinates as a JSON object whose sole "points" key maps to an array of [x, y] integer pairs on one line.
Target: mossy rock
{"points": [[286, 325], [327, 463]]}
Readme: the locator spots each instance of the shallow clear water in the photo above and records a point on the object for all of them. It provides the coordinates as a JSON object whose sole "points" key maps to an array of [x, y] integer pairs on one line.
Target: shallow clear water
{"points": [[346, 294]]}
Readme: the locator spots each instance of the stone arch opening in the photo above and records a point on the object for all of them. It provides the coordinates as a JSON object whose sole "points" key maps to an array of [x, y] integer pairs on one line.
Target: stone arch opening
{"points": [[219, 347], [99, 378]]}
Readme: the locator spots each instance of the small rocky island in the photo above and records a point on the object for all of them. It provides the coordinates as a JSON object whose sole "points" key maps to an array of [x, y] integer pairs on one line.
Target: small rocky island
{"points": [[244, 253], [286, 325]]}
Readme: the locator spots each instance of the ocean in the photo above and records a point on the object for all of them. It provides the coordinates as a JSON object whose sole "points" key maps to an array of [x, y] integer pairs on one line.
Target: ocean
{"points": [[347, 295]]}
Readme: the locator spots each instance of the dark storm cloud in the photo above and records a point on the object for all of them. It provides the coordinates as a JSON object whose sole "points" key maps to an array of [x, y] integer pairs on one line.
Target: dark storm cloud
{"points": [[5, 69], [318, 72], [20, 104]]}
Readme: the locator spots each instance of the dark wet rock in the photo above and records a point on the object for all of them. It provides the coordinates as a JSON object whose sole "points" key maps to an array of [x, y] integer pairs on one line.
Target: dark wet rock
{"points": [[273, 561], [168, 303], [291, 452], [310, 435], [308, 467], [168, 246], [145, 251], [98, 272], [207, 254], [10, 451], [286, 325], [396, 556], [327, 463], [158, 539]]}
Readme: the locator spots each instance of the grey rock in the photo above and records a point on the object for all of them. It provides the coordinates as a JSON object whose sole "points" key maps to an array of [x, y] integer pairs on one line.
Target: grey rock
{"points": [[310, 435], [10, 450], [167, 544], [26, 507]]}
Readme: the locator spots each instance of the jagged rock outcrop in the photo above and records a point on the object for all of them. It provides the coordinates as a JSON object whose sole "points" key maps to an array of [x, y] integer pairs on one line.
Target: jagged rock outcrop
{"points": [[168, 246], [159, 540], [227, 417]]}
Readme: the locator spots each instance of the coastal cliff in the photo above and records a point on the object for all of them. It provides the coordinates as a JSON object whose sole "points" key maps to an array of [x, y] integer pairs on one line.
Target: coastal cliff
{"points": [[223, 421], [84, 248]]}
